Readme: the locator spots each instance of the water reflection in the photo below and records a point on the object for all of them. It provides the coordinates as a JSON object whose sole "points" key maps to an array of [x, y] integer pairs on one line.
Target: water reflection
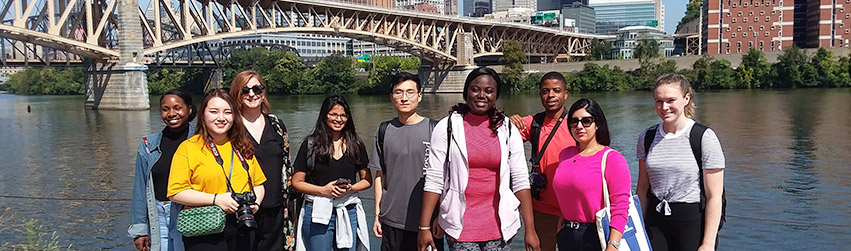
{"points": [[802, 180]]}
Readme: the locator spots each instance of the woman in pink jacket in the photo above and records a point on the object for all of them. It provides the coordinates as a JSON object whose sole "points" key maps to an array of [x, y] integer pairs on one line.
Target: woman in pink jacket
{"points": [[578, 183]]}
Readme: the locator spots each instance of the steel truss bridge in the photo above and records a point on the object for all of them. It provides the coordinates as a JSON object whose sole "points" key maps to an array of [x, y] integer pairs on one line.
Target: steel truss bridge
{"points": [[176, 30]]}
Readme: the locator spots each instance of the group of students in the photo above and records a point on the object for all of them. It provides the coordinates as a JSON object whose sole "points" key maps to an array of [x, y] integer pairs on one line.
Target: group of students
{"points": [[468, 186]]}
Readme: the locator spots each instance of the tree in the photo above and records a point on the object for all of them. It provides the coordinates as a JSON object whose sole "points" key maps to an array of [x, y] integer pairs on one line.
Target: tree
{"points": [[720, 75], [600, 50], [334, 74], [646, 49], [164, 79], [692, 12], [700, 69], [754, 71], [512, 59], [789, 68]]}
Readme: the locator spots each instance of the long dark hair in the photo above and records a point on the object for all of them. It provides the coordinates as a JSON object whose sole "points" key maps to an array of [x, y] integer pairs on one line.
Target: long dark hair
{"points": [[323, 146], [594, 109], [495, 116], [187, 100], [237, 134]]}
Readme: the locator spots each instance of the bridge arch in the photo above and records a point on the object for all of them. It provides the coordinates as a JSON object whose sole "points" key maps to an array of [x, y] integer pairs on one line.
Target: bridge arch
{"points": [[56, 42]]}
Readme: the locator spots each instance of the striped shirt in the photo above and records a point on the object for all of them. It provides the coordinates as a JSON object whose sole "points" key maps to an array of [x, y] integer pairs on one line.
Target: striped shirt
{"points": [[671, 166]]}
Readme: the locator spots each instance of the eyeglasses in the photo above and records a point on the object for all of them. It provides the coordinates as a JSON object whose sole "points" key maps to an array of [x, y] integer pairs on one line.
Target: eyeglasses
{"points": [[408, 93], [340, 116], [258, 89], [586, 121]]}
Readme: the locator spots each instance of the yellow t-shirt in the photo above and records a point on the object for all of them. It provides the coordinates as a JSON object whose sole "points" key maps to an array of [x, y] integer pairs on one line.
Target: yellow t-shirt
{"points": [[194, 167]]}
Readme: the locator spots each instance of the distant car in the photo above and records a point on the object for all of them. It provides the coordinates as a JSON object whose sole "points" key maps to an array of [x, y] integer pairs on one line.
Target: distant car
{"points": [[532, 71]]}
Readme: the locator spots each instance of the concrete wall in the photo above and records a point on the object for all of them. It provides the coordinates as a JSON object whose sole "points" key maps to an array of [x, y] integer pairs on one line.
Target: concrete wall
{"points": [[682, 62]]}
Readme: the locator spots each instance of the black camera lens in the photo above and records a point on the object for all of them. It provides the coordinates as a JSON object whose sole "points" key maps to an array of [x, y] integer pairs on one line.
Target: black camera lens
{"points": [[244, 215]]}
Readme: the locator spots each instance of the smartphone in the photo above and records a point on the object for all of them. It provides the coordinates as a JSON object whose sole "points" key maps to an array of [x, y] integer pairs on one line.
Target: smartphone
{"points": [[342, 182]]}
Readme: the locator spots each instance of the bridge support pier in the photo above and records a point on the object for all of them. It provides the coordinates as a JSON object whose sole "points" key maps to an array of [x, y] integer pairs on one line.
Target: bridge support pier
{"points": [[215, 79], [121, 86], [112, 87], [449, 78]]}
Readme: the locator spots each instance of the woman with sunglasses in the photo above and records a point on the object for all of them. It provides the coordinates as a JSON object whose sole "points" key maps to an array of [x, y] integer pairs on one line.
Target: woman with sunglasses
{"points": [[215, 163], [330, 171], [154, 217], [683, 211], [578, 181], [268, 134], [484, 181]]}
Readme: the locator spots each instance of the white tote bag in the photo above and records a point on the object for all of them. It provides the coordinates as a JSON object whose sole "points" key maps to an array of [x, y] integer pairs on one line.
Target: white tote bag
{"points": [[634, 236]]}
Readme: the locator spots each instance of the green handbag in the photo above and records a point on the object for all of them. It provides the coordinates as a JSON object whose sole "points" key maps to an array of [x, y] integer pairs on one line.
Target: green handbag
{"points": [[201, 221]]}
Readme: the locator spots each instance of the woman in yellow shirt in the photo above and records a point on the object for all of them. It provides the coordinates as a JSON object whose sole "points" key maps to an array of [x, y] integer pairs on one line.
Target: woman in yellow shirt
{"points": [[202, 177]]}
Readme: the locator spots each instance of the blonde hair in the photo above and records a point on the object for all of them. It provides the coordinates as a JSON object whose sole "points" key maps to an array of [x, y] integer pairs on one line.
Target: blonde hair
{"points": [[682, 82], [241, 79]]}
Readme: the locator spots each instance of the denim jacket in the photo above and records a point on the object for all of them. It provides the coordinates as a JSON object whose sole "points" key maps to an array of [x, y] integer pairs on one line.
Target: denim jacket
{"points": [[143, 204]]}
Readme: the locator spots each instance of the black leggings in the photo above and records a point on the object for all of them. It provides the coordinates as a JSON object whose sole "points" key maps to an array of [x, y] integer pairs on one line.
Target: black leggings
{"points": [[682, 230], [231, 239]]}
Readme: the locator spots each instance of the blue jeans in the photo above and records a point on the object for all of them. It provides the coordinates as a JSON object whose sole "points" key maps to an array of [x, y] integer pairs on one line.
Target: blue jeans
{"points": [[321, 237], [170, 239]]}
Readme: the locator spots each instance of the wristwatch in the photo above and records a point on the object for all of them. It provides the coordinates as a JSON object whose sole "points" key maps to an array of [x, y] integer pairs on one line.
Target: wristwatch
{"points": [[616, 244]]}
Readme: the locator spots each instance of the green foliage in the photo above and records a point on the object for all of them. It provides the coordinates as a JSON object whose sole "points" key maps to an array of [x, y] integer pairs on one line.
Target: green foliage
{"points": [[37, 235], [282, 71], [334, 74], [754, 71], [164, 79], [530, 83], [596, 78], [789, 68], [600, 50], [47, 80], [692, 12], [513, 59], [646, 49], [650, 71]]}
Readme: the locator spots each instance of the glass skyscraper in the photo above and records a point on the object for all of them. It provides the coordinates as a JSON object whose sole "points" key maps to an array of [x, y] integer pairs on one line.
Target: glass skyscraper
{"points": [[612, 16]]}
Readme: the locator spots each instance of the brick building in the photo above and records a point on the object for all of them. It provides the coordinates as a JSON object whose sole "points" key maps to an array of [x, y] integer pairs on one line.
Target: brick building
{"points": [[828, 23], [734, 26]]}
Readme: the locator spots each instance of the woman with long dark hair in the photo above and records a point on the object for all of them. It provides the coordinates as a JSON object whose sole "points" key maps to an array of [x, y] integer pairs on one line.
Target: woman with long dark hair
{"points": [[154, 217], [211, 166], [268, 135], [681, 188], [485, 180], [330, 171], [578, 182]]}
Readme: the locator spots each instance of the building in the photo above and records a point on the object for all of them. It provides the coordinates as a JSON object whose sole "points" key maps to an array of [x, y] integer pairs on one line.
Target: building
{"points": [[556, 4], [736, 26], [477, 8], [425, 6], [450, 7], [612, 15], [799, 34], [628, 39], [377, 3], [308, 46], [584, 19], [501, 5], [825, 24], [512, 15]]}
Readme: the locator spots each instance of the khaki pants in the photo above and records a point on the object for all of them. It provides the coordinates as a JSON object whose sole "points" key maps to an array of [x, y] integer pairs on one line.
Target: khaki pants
{"points": [[547, 227]]}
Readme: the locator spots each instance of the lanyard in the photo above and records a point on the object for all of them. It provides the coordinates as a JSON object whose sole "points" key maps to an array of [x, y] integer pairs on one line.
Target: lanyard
{"points": [[215, 150]]}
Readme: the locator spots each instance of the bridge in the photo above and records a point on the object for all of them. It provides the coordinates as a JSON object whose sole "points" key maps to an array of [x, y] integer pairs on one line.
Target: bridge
{"points": [[115, 39]]}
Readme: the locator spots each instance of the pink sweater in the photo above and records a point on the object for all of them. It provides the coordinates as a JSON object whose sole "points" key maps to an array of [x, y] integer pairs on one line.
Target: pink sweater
{"points": [[579, 187], [480, 218]]}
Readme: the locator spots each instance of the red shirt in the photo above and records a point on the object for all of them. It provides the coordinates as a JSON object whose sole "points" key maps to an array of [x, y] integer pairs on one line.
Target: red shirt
{"points": [[481, 222], [549, 161]]}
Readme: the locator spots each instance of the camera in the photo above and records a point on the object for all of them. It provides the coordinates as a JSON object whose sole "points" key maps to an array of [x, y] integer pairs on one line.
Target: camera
{"points": [[244, 215], [537, 181]]}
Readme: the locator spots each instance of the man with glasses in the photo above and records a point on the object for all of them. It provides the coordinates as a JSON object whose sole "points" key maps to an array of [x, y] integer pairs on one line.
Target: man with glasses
{"points": [[398, 155], [545, 151]]}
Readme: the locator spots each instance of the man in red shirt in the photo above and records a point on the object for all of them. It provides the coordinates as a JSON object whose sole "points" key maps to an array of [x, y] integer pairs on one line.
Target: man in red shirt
{"points": [[553, 92]]}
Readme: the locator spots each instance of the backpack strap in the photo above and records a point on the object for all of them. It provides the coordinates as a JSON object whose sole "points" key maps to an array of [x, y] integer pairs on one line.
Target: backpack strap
{"points": [[382, 129], [536, 157], [535, 133], [648, 139]]}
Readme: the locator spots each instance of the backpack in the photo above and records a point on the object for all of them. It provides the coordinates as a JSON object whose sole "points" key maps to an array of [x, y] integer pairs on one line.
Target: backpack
{"points": [[535, 134], [696, 142], [382, 129]]}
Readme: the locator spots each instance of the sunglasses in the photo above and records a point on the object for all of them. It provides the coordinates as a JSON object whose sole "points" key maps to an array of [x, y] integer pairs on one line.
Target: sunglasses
{"points": [[258, 89], [586, 121]]}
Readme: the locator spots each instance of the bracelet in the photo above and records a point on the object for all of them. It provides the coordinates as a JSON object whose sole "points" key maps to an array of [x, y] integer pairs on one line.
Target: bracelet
{"points": [[425, 228], [214, 198]]}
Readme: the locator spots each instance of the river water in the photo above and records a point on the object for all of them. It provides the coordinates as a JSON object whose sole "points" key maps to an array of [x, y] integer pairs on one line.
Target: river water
{"points": [[787, 160]]}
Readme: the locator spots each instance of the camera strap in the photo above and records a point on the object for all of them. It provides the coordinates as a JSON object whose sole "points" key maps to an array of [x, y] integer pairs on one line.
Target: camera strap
{"points": [[218, 156], [536, 158]]}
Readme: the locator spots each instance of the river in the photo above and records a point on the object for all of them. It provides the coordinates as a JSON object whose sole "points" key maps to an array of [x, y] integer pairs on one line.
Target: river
{"points": [[787, 160]]}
